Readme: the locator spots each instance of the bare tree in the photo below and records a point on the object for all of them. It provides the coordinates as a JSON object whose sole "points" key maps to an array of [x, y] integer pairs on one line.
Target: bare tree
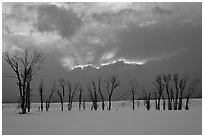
{"points": [[24, 67], [182, 85], [61, 92], [41, 94], [155, 98], [191, 89], [176, 87], [71, 91], [164, 102], [80, 96], [99, 89], [110, 86], [133, 87], [146, 97], [53, 89], [167, 82], [93, 94], [158, 85]]}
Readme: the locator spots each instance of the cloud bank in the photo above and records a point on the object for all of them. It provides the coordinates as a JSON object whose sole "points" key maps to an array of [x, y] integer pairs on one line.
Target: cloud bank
{"points": [[96, 34]]}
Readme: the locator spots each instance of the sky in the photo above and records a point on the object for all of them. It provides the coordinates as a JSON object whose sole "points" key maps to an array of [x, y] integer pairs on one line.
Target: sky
{"points": [[89, 39]]}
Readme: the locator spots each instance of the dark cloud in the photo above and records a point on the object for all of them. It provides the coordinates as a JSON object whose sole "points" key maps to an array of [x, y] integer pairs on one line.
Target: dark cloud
{"points": [[51, 18], [159, 11], [157, 40]]}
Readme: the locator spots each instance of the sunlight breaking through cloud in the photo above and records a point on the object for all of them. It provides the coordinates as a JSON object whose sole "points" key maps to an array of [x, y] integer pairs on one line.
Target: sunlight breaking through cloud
{"points": [[98, 34]]}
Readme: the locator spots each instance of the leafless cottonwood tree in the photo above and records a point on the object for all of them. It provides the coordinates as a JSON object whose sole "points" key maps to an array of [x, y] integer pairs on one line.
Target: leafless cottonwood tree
{"points": [[176, 88], [93, 94], [147, 97], [133, 87], [164, 102], [182, 85], [167, 82], [72, 88], [41, 94], [110, 86], [100, 92], [24, 67], [80, 96], [52, 90], [158, 85], [191, 89], [61, 92], [155, 98]]}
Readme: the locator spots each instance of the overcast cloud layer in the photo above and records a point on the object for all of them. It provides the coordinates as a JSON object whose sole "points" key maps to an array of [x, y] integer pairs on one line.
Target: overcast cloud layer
{"points": [[100, 33]]}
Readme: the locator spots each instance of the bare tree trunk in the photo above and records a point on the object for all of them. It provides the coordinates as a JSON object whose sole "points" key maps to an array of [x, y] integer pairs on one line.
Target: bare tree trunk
{"points": [[155, 100], [99, 89], [109, 104], [62, 105], [187, 102], [41, 101], [80, 100], [148, 102], [133, 102], [111, 85], [158, 107], [164, 102], [46, 105]]}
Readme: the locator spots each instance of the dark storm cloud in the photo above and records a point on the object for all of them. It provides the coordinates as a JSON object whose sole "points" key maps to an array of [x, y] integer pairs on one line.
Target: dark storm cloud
{"points": [[51, 18], [159, 11], [152, 41]]}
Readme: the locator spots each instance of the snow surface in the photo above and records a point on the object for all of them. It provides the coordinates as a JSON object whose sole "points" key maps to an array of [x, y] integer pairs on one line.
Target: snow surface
{"points": [[121, 120]]}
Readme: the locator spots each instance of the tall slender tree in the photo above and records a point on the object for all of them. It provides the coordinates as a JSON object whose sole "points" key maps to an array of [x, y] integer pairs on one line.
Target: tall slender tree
{"points": [[80, 96], [101, 94], [48, 101], [110, 86], [167, 82], [71, 92], [191, 89], [182, 85], [61, 92], [176, 88], [133, 87], [158, 85], [93, 94], [41, 94]]}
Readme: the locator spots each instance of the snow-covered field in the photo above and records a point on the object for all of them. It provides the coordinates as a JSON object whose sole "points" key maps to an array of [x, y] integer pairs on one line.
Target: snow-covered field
{"points": [[120, 120]]}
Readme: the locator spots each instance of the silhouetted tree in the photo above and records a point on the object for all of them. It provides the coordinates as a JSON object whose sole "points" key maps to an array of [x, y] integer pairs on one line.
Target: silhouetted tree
{"points": [[133, 87], [93, 94], [110, 86], [146, 99], [52, 90], [164, 102], [176, 87], [71, 93], [99, 89], [182, 85], [167, 82], [25, 67], [80, 96], [41, 94], [191, 89], [158, 85], [155, 98], [61, 92]]}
